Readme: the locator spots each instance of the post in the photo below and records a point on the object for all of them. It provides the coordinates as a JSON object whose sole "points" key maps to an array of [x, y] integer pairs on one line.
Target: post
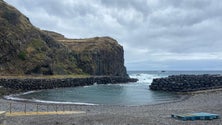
{"points": [[25, 109], [37, 108], [47, 108], [70, 108], [56, 108], [10, 107], [63, 108]]}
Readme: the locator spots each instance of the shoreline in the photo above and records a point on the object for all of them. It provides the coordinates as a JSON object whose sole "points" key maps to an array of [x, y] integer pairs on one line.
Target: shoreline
{"points": [[182, 96], [203, 91], [118, 115], [11, 97]]}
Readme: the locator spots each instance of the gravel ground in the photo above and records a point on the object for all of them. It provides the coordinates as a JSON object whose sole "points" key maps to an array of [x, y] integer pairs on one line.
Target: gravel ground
{"points": [[158, 114]]}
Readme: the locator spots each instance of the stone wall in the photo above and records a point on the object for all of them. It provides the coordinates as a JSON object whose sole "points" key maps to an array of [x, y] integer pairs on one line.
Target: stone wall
{"points": [[187, 83], [36, 84]]}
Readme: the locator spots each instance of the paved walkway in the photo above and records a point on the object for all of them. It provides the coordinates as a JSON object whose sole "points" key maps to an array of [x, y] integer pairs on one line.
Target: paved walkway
{"points": [[43, 113]]}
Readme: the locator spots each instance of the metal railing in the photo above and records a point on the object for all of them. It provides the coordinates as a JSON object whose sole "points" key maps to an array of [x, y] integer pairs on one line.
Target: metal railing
{"points": [[32, 107]]}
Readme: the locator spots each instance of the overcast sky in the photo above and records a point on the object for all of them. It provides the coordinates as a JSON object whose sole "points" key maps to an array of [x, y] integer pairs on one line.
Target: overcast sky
{"points": [[155, 34]]}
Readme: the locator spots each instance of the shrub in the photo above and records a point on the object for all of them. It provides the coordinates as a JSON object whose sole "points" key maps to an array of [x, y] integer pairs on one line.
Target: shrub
{"points": [[22, 55]]}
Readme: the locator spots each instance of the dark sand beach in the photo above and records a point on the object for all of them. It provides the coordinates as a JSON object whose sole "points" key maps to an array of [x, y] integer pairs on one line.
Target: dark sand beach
{"points": [[158, 114]]}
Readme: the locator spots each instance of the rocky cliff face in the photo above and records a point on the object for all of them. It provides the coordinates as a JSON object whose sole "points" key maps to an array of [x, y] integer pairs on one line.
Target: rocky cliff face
{"points": [[96, 56], [24, 49]]}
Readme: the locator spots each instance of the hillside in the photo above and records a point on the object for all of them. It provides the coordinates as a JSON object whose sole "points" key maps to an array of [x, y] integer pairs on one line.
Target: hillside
{"points": [[27, 50]]}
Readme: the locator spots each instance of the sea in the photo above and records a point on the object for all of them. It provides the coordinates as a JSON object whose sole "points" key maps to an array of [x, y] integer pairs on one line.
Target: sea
{"points": [[130, 94]]}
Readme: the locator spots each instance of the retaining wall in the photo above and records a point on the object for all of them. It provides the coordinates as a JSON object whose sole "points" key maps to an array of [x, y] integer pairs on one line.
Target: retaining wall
{"points": [[36, 84], [187, 83]]}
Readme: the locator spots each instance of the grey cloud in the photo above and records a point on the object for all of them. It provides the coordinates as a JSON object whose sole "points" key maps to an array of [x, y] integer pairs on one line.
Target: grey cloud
{"points": [[62, 9], [139, 5], [182, 30]]}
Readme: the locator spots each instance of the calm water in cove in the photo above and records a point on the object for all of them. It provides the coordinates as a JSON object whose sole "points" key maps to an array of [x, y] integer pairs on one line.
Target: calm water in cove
{"points": [[131, 94]]}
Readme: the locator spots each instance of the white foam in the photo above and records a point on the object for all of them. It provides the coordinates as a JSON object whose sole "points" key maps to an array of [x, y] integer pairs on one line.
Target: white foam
{"points": [[16, 98], [145, 78], [86, 86], [57, 102], [13, 97], [29, 92]]}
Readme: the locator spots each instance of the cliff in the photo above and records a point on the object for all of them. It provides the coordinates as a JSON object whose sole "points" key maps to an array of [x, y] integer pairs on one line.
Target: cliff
{"points": [[27, 50], [96, 56]]}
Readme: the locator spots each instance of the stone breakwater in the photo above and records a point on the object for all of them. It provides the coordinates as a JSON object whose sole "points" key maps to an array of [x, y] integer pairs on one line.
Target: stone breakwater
{"points": [[36, 84], [187, 83]]}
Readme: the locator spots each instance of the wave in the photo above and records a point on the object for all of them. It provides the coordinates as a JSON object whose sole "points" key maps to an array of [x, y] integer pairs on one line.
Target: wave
{"points": [[29, 92], [16, 98], [57, 102], [145, 78], [12, 97]]}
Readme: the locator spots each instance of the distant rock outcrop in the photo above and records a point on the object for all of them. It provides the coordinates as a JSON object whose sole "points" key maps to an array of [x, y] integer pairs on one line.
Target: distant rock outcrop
{"points": [[25, 50]]}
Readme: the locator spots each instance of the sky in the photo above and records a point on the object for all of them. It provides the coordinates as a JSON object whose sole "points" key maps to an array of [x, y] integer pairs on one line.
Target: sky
{"points": [[155, 34]]}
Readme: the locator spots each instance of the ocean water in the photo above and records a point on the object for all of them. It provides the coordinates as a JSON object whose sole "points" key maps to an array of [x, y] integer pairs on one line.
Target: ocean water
{"points": [[131, 94]]}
